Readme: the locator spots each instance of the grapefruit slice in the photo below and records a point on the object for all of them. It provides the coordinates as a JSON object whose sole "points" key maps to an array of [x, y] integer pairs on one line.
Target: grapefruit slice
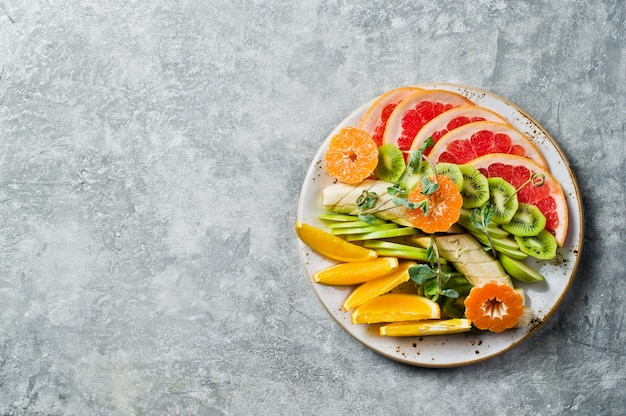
{"points": [[375, 119], [548, 197], [450, 120], [408, 118], [477, 139]]}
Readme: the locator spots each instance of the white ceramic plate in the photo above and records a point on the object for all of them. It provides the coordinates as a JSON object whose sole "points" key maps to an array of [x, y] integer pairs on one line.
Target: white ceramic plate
{"points": [[466, 348]]}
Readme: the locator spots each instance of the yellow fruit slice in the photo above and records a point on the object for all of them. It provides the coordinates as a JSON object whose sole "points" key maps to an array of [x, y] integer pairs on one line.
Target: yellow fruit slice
{"points": [[369, 290], [347, 274], [331, 246], [395, 307], [422, 328]]}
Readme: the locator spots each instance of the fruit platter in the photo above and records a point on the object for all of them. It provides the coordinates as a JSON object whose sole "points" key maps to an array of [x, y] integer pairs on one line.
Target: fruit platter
{"points": [[440, 225]]}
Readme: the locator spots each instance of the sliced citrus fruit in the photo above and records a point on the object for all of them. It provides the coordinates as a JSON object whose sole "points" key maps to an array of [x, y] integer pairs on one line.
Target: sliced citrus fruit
{"points": [[494, 306], [375, 119], [473, 140], [351, 156], [369, 290], [395, 307], [347, 274], [412, 113], [423, 328], [548, 197], [331, 246], [443, 207], [452, 119]]}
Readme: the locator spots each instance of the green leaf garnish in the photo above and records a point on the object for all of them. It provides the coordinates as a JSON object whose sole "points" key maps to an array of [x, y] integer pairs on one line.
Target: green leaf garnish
{"points": [[368, 218], [429, 187], [480, 218]]}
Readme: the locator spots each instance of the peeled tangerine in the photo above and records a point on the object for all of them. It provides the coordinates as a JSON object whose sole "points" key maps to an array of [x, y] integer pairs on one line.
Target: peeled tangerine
{"points": [[494, 305], [395, 307]]}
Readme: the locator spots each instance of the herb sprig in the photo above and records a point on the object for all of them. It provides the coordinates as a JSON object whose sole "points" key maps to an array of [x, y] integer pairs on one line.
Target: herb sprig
{"points": [[433, 276]]}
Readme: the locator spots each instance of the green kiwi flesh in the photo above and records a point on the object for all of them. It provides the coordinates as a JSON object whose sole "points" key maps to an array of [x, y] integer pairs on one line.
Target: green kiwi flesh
{"points": [[452, 171], [503, 196], [475, 189], [541, 246], [391, 164], [527, 221]]}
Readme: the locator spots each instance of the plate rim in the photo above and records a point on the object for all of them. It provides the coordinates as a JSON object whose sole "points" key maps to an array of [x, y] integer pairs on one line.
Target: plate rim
{"points": [[578, 242]]}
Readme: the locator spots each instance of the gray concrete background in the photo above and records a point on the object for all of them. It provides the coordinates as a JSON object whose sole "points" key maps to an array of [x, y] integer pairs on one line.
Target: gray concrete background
{"points": [[151, 159]]}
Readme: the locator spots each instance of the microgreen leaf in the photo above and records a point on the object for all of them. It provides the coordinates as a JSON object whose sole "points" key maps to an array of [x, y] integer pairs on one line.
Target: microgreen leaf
{"points": [[450, 293], [414, 164], [395, 189], [423, 206], [480, 219], [368, 218], [429, 187], [366, 200], [421, 273], [429, 142], [405, 203], [430, 288]]}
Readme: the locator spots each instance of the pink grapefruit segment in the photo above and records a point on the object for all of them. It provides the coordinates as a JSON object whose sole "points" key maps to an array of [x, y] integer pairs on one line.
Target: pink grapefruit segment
{"points": [[412, 113], [452, 119], [549, 197], [473, 140], [375, 119]]}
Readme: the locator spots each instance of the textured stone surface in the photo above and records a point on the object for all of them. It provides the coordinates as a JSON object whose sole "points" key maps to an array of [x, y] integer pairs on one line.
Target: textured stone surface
{"points": [[151, 159]]}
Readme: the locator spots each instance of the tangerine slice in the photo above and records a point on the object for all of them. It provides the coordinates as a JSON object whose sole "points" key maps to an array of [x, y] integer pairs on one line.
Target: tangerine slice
{"points": [[494, 306], [369, 290], [375, 119], [423, 328], [444, 206], [347, 274], [408, 118], [452, 119], [351, 156], [331, 246], [477, 139], [395, 307], [549, 197]]}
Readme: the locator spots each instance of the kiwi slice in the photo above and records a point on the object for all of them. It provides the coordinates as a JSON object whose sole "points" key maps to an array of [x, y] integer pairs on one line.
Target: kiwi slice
{"points": [[391, 164], [541, 246], [527, 221], [503, 196], [452, 171], [475, 189]]}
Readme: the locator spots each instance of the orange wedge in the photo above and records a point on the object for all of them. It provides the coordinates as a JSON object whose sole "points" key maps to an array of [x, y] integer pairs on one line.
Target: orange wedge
{"points": [[395, 307], [369, 290], [347, 274], [422, 328], [331, 246]]}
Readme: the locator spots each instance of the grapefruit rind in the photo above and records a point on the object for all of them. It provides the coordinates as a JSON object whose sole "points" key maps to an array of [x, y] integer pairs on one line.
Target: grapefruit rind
{"points": [[394, 129], [372, 119], [466, 132], [441, 122]]}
